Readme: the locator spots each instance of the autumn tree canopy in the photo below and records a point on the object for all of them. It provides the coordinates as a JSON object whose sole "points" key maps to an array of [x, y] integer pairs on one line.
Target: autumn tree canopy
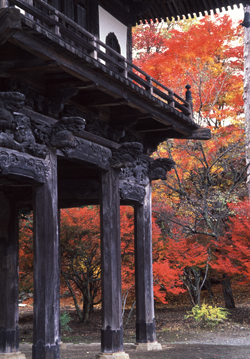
{"points": [[205, 53]]}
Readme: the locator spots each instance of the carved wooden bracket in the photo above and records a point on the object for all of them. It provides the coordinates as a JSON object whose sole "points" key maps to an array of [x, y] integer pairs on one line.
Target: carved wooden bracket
{"points": [[126, 154], [15, 128], [137, 170], [63, 132], [158, 168], [9, 102]]}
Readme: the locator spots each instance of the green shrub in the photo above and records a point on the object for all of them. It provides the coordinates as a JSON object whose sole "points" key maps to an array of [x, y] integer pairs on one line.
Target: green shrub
{"points": [[65, 318], [208, 314]]}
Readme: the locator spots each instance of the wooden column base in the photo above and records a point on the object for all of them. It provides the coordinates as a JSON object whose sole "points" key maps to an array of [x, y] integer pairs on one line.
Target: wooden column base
{"points": [[9, 341], [120, 355], [16, 355], [147, 346], [45, 351], [111, 340], [145, 332]]}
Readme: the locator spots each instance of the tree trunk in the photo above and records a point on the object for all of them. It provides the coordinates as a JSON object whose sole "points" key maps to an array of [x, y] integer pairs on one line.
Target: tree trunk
{"points": [[208, 287], [227, 292], [197, 280], [73, 296], [189, 285], [87, 304], [247, 94]]}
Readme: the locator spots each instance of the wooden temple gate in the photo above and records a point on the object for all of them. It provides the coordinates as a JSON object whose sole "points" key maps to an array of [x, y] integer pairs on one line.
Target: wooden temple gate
{"points": [[78, 122]]}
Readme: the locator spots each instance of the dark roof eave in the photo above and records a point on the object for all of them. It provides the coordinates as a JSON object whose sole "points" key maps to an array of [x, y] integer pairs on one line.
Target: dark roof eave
{"points": [[163, 10]]}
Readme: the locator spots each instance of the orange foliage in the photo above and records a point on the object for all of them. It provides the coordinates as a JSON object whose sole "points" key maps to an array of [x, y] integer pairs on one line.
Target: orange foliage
{"points": [[26, 253], [208, 55], [232, 251], [175, 253]]}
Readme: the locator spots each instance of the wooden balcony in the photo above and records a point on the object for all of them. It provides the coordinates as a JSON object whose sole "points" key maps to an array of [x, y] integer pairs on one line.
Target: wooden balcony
{"points": [[56, 54]]}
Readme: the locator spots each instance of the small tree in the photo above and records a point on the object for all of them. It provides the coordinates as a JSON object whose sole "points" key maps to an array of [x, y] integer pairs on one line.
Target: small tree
{"points": [[179, 266], [81, 257]]}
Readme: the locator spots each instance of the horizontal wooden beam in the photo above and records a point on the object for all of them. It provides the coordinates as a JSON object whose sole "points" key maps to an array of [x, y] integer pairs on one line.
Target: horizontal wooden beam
{"points": [[21, 166], [155, 129], [89, 153], [201, 134], [32, 65]]}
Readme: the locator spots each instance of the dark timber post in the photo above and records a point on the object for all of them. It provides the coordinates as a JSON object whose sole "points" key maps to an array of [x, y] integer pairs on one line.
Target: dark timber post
{"points": [[46, 267], [9, 291], [111, 333], [145, 319]]}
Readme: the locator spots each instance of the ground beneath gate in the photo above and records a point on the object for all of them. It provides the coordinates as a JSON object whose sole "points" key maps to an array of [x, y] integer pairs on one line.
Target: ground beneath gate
{"points": [[174, 351], [180, 338]]}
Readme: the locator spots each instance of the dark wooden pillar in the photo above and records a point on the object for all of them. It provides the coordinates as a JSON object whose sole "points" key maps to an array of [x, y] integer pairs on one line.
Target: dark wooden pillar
{"points": [[145, 319], [46, 266], [111, 333], [9, 291]]}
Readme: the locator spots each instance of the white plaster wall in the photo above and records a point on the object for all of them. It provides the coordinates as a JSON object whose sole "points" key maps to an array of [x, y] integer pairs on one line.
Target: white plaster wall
{"points": [[107, 24]]}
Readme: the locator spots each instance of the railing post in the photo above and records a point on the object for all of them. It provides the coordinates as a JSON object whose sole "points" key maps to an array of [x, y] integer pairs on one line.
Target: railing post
{"points": [[54, 16], [189, 100], [124, 72], [150, 85], [4, 3], [30, 2], [93, 53], [171, 102]]}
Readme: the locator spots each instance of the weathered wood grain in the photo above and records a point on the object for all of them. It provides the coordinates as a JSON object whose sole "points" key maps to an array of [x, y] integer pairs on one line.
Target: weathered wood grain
{"points": [[46, 267], [145, 319], [111, 333]]}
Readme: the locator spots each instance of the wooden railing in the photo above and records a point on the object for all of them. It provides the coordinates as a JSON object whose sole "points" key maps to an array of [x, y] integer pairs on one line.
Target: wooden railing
{"points": [[62, 26]]}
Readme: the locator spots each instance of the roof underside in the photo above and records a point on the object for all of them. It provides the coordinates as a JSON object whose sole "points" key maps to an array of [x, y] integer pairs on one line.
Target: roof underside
{"points": [[136, 11], [163, 9]]}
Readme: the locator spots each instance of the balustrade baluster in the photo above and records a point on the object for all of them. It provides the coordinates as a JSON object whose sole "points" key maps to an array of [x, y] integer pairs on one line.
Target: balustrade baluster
{"points": [[171, 102], [54, 16], [189, 100], [150, 88], [30, 2], [124, 72], [93, 53]]}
